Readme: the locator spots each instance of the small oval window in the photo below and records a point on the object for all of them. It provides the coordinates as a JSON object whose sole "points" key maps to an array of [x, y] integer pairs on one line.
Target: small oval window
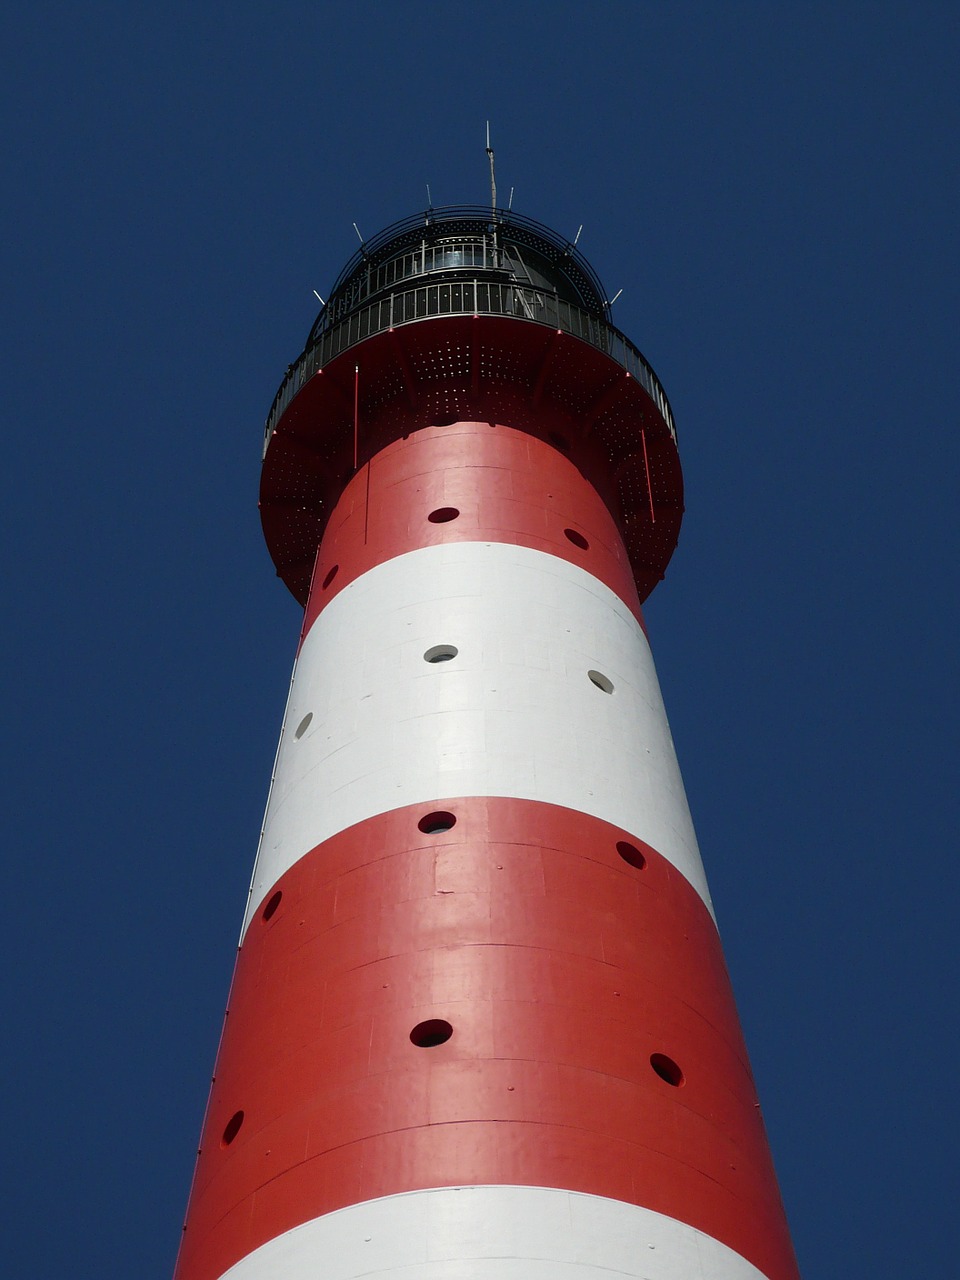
{"points": [[631, 854], [601, 681], [441, 653], [576, 538], [667, 1069], [270, 909], [232, 1128], [432, 823], [425, 1035]]}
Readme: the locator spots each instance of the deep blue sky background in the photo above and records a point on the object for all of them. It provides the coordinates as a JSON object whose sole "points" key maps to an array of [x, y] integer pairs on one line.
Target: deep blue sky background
{"points": [[774, 186]]}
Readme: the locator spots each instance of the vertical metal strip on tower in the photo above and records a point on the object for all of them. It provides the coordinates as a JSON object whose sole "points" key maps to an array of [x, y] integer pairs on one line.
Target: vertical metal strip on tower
{"points": [[480, 1021]]}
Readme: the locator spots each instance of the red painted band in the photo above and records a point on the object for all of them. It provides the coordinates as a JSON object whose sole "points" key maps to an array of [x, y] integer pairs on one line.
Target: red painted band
{"points": [[471, 482], [579, 987]]}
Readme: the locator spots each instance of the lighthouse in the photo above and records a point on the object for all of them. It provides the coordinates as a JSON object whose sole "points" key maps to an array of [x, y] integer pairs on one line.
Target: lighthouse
{"points": [[480, 1025]]}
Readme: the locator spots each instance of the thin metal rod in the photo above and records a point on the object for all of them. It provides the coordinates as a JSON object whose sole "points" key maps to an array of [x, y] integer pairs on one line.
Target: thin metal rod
{"points": [[366, 502], [356, 412], [646, 465]]}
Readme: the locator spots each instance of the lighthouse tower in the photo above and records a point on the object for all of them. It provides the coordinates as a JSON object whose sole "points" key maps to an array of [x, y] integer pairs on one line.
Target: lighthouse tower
{"points": [[480, 1026]]}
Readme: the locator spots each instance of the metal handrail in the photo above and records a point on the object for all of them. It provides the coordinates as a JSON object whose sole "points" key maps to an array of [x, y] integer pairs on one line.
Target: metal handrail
{"points": [[466, 297]]}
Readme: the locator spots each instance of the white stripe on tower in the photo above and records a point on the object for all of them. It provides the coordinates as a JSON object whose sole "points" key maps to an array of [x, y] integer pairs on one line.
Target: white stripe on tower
{"points": [[372, 725], [480, 1023], [498, 1233]]}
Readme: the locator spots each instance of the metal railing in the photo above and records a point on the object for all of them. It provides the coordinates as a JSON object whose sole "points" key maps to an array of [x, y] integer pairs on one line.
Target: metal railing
{"points": [[461, 256], [467, 297], [471, 221]]}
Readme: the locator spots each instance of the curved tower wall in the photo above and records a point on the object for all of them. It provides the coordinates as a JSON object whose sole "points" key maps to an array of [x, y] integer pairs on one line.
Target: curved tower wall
{"points": [[480, 1023]]}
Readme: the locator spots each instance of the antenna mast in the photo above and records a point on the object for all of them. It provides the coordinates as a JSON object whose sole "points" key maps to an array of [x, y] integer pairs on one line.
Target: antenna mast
{"points": [[493, 201], [493, 179]]}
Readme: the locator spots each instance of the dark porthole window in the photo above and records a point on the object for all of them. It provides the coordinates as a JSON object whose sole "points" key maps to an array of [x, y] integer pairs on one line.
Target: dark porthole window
{"points": [[631, 854], [232, 1128], [667, 1069], [426, 1035], [576, 538], [432, 824], [441, 653], [271, 908]]}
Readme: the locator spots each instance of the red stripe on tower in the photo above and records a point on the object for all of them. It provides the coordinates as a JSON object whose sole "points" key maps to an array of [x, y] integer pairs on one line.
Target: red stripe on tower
{"points": [[480, 1022]]}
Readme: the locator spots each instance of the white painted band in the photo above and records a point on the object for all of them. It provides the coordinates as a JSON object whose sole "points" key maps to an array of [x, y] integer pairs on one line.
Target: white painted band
{"points": [[514, 714], [494, 1233]]}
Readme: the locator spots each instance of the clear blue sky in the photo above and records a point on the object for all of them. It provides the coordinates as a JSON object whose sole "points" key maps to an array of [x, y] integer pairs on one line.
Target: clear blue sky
{"points": [[774, 186]]}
